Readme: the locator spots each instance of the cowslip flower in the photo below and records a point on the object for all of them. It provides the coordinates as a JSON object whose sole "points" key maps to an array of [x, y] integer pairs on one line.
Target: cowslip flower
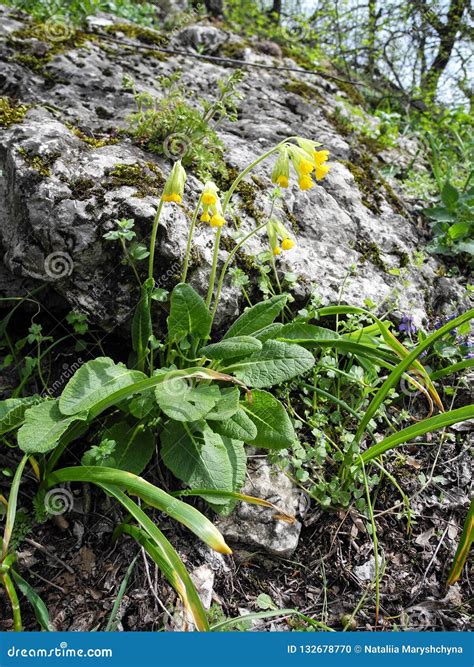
{"points": [[211, 204], [277, 231], [174, 186], [281, 169], [307, 162]]}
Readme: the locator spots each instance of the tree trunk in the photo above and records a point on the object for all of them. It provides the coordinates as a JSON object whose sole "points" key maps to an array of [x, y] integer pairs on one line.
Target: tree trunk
{"points": [[215, 8], [447, 34]]}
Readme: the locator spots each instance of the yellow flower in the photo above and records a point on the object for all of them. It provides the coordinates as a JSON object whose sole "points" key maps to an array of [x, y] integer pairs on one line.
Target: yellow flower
{"points": [[321, 171], [306, 182], [282, 181], [217, 220], [320, 157], [276, 230], [281, 169], [305, 167], [174, 186], [211, 204], [209, 194]]}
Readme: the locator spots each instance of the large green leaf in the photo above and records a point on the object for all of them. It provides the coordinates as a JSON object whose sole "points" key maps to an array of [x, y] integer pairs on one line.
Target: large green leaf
{"points": [[188, 314], [239, 427], [274, 427], [184, 402], [231, 348], [93, 382], [257, 317], [226, 406], [44, 425], [276, 362], [203, 459], [12, 412], [134, 447]]}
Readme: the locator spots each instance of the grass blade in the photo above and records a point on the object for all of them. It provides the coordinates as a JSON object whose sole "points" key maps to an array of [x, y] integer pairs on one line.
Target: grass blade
{"points": [[39, 607], [454, 368], [464, 546], [152, 495], [113, 622], [420, 428], [404, 365], [12, 504], [165, 555]]}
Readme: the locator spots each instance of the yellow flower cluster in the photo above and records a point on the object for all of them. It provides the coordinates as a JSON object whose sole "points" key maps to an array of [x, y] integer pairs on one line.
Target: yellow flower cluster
{"points": [[211, 204], [306, 160], [276, 231]]}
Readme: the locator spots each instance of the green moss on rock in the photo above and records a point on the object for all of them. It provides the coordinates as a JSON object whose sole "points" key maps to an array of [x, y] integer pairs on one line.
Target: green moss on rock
{"points": [[146, 178], [93, 142], [42, 165], [11, 112]]}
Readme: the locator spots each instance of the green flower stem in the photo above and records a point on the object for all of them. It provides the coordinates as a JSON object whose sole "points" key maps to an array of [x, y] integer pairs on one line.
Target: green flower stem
{"points": [[248, 169], [12, 595], [190, 240], [154, 232], [225, 203], [215, 258], [228, 262]]}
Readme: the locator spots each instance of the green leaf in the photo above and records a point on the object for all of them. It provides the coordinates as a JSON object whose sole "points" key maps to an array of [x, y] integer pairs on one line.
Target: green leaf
{"points": [[239, 427], [275, 363], [440, 214], [464, 546], [239, 346], [141, 324], [257, 317], [188, 314], [39, 607], [226, 406], [150, 494], [134, 447], [12, 412], [203, 459], [44, 425], [274, 427], [430, 425], [403, 366], [271, 331], [306, 334], [93, 382], [164, 554], [449, 195], [458, 230], [185, 403]]}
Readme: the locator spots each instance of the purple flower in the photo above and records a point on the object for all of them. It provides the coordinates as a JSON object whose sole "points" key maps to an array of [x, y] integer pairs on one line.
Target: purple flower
{"points": [[407, 325]]}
